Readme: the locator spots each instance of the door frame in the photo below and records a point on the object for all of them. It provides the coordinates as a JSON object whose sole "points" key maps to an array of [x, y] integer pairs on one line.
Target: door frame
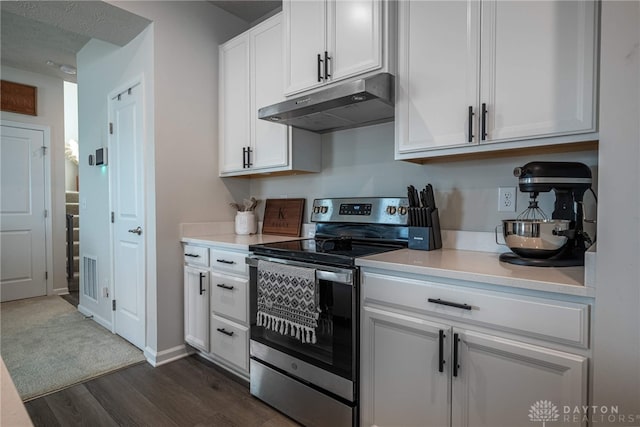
{"points": [[120, 88], [48, 225]]}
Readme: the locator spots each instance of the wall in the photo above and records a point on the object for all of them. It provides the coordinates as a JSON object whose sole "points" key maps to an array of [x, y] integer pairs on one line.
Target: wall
{"points": [[186, 36], [617, 317], [50, 113], [103, 68], [359, 162], [70, 132]]}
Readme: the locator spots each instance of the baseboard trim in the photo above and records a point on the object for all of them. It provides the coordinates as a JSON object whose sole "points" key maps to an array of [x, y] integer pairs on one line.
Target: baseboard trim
{"points": [[224, 365], [100, 320], [61, 291], [163, 357]]}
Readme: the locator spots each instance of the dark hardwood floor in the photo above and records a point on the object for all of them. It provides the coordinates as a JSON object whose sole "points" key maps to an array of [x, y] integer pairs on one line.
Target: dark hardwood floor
{"points": [[187, 392]]}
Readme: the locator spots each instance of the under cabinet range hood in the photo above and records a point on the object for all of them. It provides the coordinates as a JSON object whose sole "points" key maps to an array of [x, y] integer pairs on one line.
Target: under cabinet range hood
{"points": [[352, 104]]}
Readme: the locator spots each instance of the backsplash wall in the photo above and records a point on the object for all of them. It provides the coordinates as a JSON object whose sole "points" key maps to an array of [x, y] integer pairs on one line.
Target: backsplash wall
{"points": [[359, 162]]}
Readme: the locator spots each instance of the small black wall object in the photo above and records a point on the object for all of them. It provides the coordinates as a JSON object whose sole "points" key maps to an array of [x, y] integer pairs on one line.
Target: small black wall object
{"points": [[90, 159]]}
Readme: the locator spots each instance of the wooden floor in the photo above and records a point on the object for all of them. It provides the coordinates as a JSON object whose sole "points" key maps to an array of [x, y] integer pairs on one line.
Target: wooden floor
{"points": [[188, 392]]}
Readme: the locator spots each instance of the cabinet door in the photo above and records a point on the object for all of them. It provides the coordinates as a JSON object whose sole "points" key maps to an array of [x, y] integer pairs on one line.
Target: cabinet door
{"points": [[538, 67], [400, 380], [354, 37], [270, 142], [234, 106], [438, 76], [305, 26], [499, 381], [196, 307]]}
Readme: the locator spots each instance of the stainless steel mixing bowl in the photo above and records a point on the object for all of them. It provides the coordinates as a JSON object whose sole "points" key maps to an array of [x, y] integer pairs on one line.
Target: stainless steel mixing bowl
{"points": [[535, 238]]}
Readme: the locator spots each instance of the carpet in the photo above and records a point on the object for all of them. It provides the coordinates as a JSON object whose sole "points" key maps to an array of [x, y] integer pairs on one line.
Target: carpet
{"points": [[47, 345]]}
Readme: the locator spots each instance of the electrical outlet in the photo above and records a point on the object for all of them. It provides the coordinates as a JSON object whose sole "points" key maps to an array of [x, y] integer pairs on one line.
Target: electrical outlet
{"points": [[507, 199]]}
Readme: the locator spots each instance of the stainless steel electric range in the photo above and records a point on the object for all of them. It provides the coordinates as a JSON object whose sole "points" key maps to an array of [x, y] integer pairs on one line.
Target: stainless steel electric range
{"points": [[304, 306]]}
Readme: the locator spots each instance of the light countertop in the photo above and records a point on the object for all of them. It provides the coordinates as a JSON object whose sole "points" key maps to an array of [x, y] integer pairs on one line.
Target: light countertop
{"points": [[482, 267], [235, 241]]}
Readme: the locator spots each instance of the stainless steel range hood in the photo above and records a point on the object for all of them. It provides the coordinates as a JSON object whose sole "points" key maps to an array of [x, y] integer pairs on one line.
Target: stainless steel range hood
{"points": [[348, 105]]}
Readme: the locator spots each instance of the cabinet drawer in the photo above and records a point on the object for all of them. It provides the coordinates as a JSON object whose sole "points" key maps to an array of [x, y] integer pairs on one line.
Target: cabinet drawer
{"points": [[230, 342], [196, 255], [559, 321], [229, 296], [229, 261]]}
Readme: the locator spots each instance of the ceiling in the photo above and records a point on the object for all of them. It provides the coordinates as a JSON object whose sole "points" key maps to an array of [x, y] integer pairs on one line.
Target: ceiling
{"points": [[34, 32]]}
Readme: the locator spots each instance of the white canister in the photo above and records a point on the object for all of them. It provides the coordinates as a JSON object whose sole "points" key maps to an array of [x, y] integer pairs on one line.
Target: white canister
{"points": [[246, 223]]}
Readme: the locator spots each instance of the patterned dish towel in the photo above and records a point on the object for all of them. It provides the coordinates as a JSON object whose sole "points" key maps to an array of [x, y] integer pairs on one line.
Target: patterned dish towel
{"points": [[288, 300]]}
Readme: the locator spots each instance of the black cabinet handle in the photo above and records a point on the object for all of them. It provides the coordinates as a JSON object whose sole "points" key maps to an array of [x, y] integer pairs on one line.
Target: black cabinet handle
{"points": [[484, 121], [224, 261], [326, 65], [456, 340], [471, 123], [244, 157], [249, 162], [201, 285], [441, 362], [450, 304], [224, 331], [192, 255], [319, 68], [223, 286]]}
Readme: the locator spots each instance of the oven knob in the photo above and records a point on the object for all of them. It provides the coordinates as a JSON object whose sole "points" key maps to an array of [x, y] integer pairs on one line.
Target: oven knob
{"points": [[391, 210], [402, 210], [325, 209]]}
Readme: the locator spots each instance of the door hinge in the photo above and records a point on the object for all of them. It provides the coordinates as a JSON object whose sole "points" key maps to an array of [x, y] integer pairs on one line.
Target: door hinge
{"points": [[113, 305], [46, 213], [111, 128], [112, 217], [44, 150], [46, 275]]}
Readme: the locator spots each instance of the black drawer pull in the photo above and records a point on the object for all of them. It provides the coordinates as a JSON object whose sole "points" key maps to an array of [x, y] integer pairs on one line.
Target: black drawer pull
{"points": [[470, 124], [224, 331], [224, 261], [202, 276], [192, 255], [223, 286], [449, 303], [483, 133]]}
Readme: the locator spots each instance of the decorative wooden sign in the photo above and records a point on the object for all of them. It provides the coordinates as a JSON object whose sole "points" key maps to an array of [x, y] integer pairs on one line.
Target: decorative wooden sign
{"points": [[283, 217], [18, 98]]}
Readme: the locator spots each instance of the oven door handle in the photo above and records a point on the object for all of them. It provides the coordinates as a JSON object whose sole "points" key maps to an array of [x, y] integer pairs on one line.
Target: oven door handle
{"points": [[338, 275]]}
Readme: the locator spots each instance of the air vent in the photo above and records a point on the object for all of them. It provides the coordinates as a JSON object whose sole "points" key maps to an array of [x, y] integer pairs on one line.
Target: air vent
{"points": [[90, 276]]}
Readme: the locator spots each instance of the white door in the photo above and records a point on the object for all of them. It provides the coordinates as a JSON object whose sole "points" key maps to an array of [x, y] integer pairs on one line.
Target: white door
{"points": [[235, 113], [537, 67], [354, 37], [305, 26], [270, 142], [499, 381], [22, 209], [401, 380], [127, 204], [438, 66]]}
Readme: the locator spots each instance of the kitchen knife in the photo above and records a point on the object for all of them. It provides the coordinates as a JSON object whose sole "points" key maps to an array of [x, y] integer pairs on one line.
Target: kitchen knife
{"points": [[431, 200]]}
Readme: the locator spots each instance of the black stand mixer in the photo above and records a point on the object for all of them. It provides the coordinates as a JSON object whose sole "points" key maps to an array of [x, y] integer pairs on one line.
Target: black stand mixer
{"points": [[527, 235]]}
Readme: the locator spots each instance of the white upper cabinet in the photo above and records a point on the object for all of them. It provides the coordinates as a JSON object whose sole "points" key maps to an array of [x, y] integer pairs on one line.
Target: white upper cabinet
{"points": [[251, 67], [521, 73], [331, 40]]}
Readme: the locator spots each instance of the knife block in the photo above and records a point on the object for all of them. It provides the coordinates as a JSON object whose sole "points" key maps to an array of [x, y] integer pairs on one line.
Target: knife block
{"points": [[426, 238]]}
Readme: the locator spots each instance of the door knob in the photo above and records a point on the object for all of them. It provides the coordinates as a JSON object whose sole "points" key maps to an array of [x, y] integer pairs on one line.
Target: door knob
{"points": [[137, 230]]}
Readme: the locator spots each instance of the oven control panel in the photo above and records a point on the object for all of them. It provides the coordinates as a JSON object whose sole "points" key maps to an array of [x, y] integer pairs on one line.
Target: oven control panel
{"points": [[369, 210]]}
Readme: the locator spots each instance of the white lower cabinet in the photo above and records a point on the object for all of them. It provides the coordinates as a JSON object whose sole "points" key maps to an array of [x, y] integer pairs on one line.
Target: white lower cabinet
{"points": [[217, 306], [196, 307], [418, 369]]}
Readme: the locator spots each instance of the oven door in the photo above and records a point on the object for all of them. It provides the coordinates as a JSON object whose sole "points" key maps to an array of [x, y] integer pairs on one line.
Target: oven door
{"points": [[331, 362]]}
